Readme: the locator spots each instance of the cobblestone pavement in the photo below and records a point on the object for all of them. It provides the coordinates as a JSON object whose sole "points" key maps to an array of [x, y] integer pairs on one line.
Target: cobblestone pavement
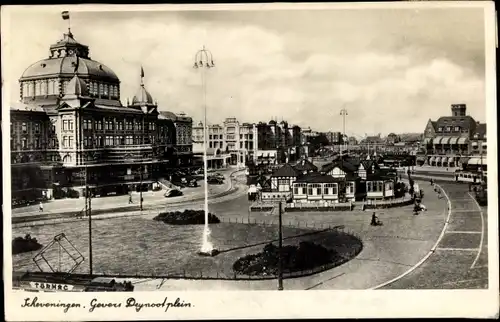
{"points": [[389, 250], [461, 257]]}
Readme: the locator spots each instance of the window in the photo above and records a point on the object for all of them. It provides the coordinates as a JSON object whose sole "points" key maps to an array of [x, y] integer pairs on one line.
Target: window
{"points": [[37, 143], [457, 128], [350, 188], [37, 127], [65, 141], [284, 185], [24, 127], [314, 189], [24, 143], [65, 125], [330, 189], [440, 129], [120, 126], [70, 142], [70, 125], [448, 129], [106, 90], [101, 89]]}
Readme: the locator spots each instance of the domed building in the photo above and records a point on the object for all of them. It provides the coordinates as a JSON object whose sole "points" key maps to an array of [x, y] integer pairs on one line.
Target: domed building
{"points": [[70, 129]]}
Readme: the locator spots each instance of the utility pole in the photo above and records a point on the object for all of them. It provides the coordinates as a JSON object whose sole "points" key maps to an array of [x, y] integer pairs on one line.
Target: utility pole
{"points": [[140, 187], [280, 252], [88, 211]]}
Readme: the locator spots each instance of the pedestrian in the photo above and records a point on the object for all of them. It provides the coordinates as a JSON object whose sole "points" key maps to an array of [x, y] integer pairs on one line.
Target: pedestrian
{"points": [[130, 198], [41, 206]]}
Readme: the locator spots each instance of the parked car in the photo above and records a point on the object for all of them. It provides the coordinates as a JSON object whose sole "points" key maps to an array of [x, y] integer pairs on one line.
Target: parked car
{"points": [[215, 180], [173, 192], [219, 175]]}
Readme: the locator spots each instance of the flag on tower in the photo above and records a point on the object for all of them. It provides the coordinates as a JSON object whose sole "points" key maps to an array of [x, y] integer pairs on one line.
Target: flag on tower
{"points": [[65, 15], [142, 72]]}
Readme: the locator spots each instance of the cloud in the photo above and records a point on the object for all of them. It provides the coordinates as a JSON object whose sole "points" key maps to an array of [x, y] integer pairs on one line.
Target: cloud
{"points": [[303, 68]]}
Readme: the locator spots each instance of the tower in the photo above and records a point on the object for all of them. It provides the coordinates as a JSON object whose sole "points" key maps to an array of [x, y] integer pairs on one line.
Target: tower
{"points": [[458, 109]]}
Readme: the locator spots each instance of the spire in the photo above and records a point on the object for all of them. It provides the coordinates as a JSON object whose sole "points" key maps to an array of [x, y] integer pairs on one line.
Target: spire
{"points": [[142, 76]]}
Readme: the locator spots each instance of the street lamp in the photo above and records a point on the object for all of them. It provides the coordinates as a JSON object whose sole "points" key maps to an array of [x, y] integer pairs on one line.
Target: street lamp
{"points": [[203, 60], [280, 249], [343, 113]]}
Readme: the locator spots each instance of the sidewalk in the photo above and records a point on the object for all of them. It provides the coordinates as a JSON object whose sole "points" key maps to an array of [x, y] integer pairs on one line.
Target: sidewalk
{"points": [[151, 198]]}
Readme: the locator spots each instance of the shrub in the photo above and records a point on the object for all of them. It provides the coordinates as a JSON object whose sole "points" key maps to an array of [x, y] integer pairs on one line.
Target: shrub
{"points": [[72, 193], [23, 245], [187, 217], [305, 256]]}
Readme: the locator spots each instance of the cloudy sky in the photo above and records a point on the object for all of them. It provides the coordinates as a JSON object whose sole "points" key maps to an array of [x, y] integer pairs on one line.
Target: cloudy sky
{"points": [[391, 69]]}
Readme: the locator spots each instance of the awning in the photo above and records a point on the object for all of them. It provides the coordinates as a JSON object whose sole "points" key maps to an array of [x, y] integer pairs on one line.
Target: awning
{"points": [[474, 143], [483, 144], [446, 140], [427, 140], [462, 141], [432, 159], [438, 159], [464, 160], [420, 158], [451, 159], [454, 140], [437, 140], [477, 161]]}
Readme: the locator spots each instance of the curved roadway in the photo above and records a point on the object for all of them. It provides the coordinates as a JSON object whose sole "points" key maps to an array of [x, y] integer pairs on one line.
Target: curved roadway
{"points": [[407, 252]]}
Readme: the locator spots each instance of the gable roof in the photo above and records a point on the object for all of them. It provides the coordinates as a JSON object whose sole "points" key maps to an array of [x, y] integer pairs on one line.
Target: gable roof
{"points": [[305, 165], [286, 171], [481, 130], [345, 166], [316, 177]]}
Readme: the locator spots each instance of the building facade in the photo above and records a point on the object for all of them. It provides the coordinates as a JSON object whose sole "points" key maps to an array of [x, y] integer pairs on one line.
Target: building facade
{"points": [[261, 144], [70, 129], [452, 141]]}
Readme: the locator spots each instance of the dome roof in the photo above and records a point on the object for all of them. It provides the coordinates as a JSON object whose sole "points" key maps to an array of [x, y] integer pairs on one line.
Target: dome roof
{"points": [[77, 86], [142, 97], [169, 115], [66, 65]]}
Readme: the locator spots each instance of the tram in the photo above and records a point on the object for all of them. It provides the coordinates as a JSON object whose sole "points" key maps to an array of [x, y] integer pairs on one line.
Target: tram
{"points": [[470, 176], [63, 282]]}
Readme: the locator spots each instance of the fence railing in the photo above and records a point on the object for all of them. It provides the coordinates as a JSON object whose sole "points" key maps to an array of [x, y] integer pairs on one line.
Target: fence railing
{"points": [[341, 206], [204, 274]]}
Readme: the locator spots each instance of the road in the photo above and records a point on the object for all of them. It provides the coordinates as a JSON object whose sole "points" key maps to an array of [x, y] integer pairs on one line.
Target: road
{"points": [[461, 256]]}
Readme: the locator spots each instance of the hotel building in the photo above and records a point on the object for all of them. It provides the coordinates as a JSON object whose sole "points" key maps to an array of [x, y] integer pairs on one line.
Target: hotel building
{"points": [[70, 128], [454, 141]]}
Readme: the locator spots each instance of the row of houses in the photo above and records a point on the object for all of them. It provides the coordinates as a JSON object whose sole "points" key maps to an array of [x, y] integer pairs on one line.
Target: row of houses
{"points": [[343, 180]]}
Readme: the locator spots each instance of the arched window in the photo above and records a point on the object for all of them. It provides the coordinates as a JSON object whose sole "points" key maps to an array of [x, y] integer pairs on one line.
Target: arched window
{"points": [[50, 87], [106, 90], [44, 87], [26, 90], [38, 88], [56, 87], [31, 89], [67, 159]]}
